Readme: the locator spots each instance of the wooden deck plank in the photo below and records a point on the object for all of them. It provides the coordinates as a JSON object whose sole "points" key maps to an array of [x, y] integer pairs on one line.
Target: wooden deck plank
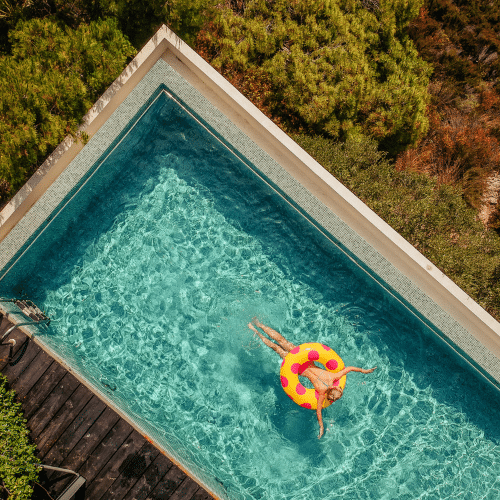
{"points": [[4, 325], [52, 404], [201, 494], [92, 464], [110, 472], [131, 471], [13, 372], [115, 438], [39, 393], [170, 482], [75, 432], [62, 419], [23, 384], [152, 476], [186, 490], [89, 442]]}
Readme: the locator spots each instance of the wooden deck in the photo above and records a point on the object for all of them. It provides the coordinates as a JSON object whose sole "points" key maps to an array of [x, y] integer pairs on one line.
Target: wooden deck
{"points": [[75, 430]]}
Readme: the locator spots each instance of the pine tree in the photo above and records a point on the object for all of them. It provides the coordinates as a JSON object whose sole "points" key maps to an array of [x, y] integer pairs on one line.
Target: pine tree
{"points": [[337, 67], [52, 78]]}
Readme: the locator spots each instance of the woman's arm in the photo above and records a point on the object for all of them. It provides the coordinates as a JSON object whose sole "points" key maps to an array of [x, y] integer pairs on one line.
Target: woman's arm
{"points": [[318, 414], [347, 369]]}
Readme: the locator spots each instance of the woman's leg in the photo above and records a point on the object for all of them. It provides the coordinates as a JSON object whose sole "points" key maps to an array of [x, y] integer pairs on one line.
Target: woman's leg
{"points": [[272, 345], [282, 341]]}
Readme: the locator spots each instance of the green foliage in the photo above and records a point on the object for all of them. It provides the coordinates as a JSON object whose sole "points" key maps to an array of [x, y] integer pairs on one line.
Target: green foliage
{"points": [[52, 78], [18, 464], [137, 20], [11, 12], [187, 17], [433, 218], [334, 66]]}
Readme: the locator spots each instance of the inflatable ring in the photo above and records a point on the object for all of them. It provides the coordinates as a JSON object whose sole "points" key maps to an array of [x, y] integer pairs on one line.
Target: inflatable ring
{"points": [[297, 360]]}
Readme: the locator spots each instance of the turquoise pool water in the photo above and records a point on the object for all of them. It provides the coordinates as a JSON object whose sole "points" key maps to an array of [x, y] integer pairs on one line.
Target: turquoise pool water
{"points": [[152, 272]]}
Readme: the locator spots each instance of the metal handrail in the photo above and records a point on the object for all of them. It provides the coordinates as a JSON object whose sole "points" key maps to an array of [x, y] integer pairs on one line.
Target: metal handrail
{"points": [[13, 327], [29, 310], [34, 317], [73, 487]]}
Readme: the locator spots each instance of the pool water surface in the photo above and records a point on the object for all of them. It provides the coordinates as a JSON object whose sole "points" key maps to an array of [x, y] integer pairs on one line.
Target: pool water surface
{"points": [[151, 277]]}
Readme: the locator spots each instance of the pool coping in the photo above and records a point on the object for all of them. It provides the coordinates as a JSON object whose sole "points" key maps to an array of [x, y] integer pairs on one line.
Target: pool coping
{"points": [[287, 167], [165, 45]]}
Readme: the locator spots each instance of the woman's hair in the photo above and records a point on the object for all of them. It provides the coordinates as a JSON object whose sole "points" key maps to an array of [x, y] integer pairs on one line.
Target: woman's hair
{"points": [[334, 393]]}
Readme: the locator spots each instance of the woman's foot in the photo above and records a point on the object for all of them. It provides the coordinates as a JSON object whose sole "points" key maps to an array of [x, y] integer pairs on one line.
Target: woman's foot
{"points": [[252, 327], [276, 348]]}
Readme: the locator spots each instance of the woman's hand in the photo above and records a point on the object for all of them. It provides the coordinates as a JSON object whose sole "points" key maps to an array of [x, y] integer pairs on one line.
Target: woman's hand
{"points": [[368, 371]]}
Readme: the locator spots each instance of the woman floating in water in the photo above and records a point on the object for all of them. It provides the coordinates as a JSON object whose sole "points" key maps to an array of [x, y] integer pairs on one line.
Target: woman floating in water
{"points": [[322, 380]]}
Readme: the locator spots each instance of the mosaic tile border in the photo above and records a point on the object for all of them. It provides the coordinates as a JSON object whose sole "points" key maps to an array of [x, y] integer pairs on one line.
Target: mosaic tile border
{"points": [[162, 74]]}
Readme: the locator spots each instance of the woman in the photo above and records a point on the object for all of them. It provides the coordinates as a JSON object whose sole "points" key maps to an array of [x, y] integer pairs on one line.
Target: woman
{"points": [[322, 380]]}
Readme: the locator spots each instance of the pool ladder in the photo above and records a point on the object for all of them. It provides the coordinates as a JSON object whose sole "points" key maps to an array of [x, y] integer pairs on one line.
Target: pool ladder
{"points": [[34, 317]]}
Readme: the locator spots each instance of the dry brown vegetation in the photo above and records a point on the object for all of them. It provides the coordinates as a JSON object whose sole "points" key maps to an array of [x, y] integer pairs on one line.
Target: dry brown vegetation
{"points": [[463, 144]]}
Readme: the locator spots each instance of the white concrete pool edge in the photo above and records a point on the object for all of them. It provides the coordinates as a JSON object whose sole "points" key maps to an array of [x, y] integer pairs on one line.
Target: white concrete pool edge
{"points": [[302, 167]]}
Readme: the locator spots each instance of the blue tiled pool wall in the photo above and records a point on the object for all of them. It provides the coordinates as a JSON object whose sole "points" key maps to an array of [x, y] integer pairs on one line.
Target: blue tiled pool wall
{"points": [[162, 77], [94, 181]]}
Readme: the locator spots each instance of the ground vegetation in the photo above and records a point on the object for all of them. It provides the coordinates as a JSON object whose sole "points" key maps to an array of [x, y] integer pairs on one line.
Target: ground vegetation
{"points": [[18, 463], [136, 19], [461, 39], [51, 78], [58, 56]]}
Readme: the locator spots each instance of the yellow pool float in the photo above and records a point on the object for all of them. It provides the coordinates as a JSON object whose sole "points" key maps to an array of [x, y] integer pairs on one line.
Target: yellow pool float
{"points": [[297, 360]]}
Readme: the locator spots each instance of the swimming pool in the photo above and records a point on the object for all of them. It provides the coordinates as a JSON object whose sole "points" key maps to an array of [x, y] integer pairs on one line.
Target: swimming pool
{"points": [[151, 283]]}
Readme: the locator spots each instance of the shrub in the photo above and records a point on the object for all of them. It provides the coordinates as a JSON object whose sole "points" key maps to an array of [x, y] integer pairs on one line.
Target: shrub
{"points": [[433, 217], [459, 149], [18, 464], [333, 67], [461, 41], [136, 19]]}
